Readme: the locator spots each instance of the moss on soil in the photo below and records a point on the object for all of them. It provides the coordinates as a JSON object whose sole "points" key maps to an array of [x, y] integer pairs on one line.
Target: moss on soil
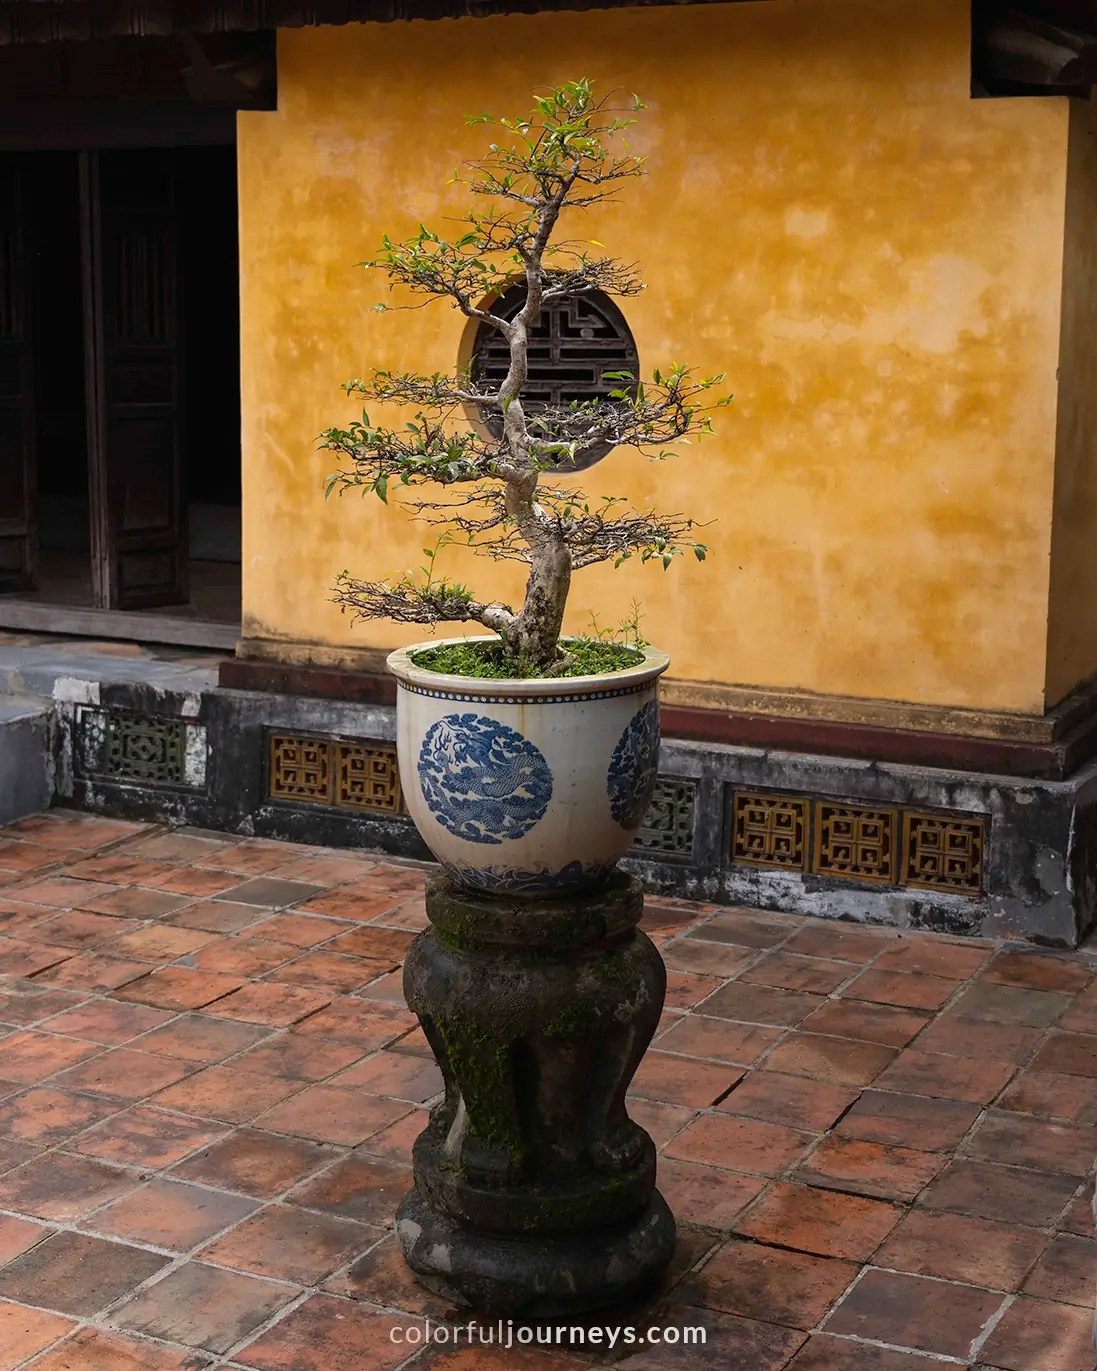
{"points": [[589, 657]]}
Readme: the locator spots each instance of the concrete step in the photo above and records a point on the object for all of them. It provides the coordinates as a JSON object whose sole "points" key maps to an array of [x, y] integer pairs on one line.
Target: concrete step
{"points": [[26, 756]]}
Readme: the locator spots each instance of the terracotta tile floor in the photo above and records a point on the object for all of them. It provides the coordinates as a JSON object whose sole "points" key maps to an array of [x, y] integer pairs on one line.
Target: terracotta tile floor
{"points": [[878, 1145]]}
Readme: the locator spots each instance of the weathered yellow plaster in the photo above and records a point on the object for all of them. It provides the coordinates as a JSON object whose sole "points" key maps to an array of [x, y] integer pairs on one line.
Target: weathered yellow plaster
{"points": [[872, 257], [1072, 623]]}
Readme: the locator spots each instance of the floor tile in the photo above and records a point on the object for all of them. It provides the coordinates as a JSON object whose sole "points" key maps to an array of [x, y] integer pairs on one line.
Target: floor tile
{"points": [[762, 1004], [916, 1072], [381, 1276], [19, 1235], [26, 1331], [1074, 1054], [700, 1035], [55, 1186], [373, 943], [96, 1349], [106, 1022], [680, 1080], [746, 1145], [822, 1352], [144, 1136], [61, 892], [913, 1311], [243, 955], [168, 1214], [275, 1005], [395, 1074], [301, 928], [955, 1247], [357, 1188], [820, 1221], [226, 1093], [329, 1113], [198, 1038], [772, 1284], [1021, 1140], [274, 892], [902, 989], [177, 987], [125, 1073], [81, 930], [1010, 1004], [257, 1163], [370, 1026], [217, 916], [745, 929], [872, 1023], [298, 1058], [74, 1274], [395, 1142], [348, 906], [33, 1056], [959, 1036], [95, 971], [792, 1100], [908, 1120], [46, 1115], [136, 903], [1050, 1094], [1066, 1271], [683, 954], [1038, 972], [19, 957], [707, 1195], [290, 1244], [1000, 1192], [789, 971], [1038, 1333], [835, 1060], [160, 943], [338, 1335], [870, 1168], [660, 1121], [203, 1306], [334, 971]]}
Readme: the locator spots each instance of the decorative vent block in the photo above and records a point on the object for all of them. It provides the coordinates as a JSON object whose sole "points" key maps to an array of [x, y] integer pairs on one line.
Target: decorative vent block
{"points": [[941, 852], [770, 830], [855, 842], [300, 769], [369, 777], [140, 748], [344, 773], [667, 829]]}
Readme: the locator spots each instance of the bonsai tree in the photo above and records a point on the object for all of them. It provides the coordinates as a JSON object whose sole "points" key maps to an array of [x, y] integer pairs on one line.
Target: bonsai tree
{"points": [[560, 157]]}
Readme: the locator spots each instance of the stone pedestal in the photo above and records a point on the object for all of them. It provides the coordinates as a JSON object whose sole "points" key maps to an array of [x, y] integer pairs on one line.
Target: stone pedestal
{"points": [[534, 1191]]}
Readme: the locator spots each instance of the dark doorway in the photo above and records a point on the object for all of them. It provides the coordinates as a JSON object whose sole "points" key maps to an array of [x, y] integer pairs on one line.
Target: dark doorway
{"points": [[130, 323]]}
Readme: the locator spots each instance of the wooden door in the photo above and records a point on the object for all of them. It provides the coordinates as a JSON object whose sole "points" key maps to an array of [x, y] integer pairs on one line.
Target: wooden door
{"points": [[134, 378], [18, 514]]}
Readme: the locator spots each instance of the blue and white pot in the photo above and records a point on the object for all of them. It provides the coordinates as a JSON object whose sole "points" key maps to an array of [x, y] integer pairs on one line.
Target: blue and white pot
{"points": [[528, 787]]}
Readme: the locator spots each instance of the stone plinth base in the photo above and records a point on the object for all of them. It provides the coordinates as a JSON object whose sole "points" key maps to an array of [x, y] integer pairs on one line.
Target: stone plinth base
{"points": [[534, 1191]]}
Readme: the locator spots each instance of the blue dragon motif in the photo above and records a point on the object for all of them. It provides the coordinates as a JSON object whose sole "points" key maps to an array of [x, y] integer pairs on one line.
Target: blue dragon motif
{"points": [[481, 780], [634, 767]]}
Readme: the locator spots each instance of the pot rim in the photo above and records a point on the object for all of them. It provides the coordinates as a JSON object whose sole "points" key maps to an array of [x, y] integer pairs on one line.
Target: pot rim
{"points": [[631, 678]]}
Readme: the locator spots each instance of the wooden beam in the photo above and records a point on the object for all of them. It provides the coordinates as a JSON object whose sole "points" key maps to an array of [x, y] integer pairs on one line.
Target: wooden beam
{"points": [[131, 626]]}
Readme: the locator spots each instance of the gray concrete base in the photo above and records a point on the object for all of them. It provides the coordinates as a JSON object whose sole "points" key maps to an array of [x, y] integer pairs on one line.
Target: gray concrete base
{"points": [[26, 758]]}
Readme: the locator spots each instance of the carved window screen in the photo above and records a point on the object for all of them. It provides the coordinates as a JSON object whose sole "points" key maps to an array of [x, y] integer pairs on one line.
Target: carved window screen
{"points": [[573, 344]]}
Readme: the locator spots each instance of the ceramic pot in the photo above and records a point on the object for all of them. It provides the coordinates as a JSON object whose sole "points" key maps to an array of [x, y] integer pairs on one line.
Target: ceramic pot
{"points": [[530, 787]]}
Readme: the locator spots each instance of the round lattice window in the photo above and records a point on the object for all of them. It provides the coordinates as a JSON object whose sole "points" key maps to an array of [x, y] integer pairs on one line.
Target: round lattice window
{"points": [[571, 347]]}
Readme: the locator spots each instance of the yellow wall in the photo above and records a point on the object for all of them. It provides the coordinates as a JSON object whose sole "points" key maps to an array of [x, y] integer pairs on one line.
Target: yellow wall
{"points": [[872, 257], [1072, 623]]}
